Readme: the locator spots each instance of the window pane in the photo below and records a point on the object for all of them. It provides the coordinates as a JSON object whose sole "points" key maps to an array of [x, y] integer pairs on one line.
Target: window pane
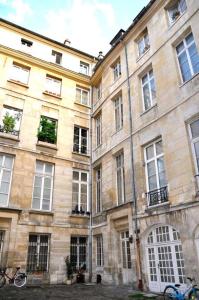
{"points": [[48, 169], [146, 93], [85, 97], [161, 171], [6, 175], [195, 129], [75, 175], [39, 167], [8, 162], [196, 146], [4, 188], [194, 57], [83, 176], [36, 202], [189, 39], [184, 66], [78, 95], [158, 146], [153, 89], [150, 152], [47, 182], [3, 199]]}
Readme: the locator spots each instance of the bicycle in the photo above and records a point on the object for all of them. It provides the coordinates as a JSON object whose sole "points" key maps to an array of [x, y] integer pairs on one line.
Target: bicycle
{"points": [[19, 279], [172, 292]]}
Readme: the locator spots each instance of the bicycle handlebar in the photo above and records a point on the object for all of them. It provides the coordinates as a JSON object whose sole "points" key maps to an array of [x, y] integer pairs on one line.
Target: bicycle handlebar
{"points": [[191, 279]]}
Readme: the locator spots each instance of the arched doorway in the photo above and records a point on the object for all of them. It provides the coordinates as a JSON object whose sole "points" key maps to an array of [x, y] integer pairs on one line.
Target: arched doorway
{"points": [[165, 258]]}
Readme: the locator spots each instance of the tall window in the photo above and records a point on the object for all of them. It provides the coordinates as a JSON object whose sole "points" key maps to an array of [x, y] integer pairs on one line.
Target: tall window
{"points": [[118, 113], [43, 186], [38, 253], [78, 252], [1, 244], [10, 121], [143, 43], [117, 70], [57, 57], [176, 9], [98, 127], [20, 73], [148, 89], [47, 130], [126, 252], [6, 168], [188, 57], [194, 131], [120, 178], [84, 68], [82, 96], [98, 190], [99, 90], [99, 251], [80, 191], [80, 143], [53, 85], [154, 159]]}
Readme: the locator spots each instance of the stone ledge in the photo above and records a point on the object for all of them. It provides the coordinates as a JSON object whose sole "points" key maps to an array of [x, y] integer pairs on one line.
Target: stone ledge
{"points": [[47, 145], [9, 136]]}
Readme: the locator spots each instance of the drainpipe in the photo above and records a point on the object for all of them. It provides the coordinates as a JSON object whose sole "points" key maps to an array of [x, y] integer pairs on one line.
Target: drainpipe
{"points": [[134, 202], [90, 238]]}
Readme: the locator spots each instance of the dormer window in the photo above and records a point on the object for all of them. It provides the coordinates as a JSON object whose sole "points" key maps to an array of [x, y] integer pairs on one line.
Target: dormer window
{"points": [[176, 9], [26, 42], [143, 43], [84, 68], [57, 57]]}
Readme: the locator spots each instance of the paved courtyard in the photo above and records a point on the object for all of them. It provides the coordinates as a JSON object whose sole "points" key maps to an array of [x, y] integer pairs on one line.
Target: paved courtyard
{"points": [[73, 292]]}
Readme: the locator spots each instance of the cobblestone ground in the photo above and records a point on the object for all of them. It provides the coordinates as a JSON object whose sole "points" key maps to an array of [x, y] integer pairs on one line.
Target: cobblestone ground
{"points": [[73, 292]]}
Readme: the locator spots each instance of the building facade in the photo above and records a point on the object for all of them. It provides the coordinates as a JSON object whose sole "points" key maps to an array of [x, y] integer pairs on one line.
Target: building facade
{"points": [[100, 157]]}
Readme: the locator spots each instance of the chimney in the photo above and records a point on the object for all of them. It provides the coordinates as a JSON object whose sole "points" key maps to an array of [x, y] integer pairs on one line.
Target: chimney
{"points": [[67, 42], [100, 56]]}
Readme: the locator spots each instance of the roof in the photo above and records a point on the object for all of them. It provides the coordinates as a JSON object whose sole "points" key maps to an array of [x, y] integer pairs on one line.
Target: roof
{"points": [[47, 39]]}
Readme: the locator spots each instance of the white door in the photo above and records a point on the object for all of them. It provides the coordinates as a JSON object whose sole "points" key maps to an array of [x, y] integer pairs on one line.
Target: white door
{"points": [[126, 258], [165, 258]]}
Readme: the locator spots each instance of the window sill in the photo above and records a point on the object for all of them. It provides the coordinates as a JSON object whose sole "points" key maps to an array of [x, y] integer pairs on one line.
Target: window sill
{"points": [[47, 145], [10, 209], [82, 154], [84, 105], [117, 131], [118, 78], [54, 96], [85, 216], [147, 110], [140, 57], [18, 83], [97, 147], [195, 75], [9, 136], [157, 206], [41, 212]]}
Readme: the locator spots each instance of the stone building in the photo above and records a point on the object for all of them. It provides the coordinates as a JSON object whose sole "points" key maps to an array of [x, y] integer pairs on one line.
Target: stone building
{"points": [[145, 119], [134, 218], [44, 153]]}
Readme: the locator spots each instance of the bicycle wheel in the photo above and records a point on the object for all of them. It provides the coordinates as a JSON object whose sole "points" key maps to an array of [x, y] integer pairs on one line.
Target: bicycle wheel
{"points": [[194, 295], [170, 293], [2, 281], [20, 280]]}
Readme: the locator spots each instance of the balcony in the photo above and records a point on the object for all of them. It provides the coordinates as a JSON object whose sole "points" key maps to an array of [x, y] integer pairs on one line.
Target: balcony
{"points": [[12, 132], [157, 197]]}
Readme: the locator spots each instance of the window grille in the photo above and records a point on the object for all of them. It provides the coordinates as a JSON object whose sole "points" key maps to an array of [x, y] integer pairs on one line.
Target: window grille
{"points": [[38, 253]]}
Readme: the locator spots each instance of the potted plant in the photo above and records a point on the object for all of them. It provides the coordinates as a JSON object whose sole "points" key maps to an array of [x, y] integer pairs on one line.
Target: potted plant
{"points": [[69, 270]]}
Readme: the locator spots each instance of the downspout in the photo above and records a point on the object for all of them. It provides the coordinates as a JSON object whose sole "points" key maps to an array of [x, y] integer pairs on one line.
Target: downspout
{"points": [[90, 254], [134, 202]]}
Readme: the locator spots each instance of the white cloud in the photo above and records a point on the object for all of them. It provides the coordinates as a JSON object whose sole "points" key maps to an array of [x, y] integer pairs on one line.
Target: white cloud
{"points": [[3, 1], [21, 10], [85, 23]]}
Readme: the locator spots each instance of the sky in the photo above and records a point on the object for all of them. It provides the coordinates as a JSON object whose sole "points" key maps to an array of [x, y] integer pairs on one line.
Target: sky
{"points": [[90, 25]]}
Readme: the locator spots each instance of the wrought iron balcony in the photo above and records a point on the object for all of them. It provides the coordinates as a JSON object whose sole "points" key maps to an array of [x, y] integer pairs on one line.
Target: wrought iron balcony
{"points": [[13, 132], [158, 196]]}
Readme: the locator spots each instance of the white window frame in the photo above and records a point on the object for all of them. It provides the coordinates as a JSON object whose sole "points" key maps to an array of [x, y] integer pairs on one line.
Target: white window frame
{"points": [[82, 90], [51, 82], [118, 106], [43, 175], [11, 174], [98, 174], [2, 238], [193, 141], [84, 68], [185, 49], [155, 159], [175, 4], [80, 140], [145, 40], [120, 168], [117, 70], [19, 71], [99, 251], [80, 183], [148, 82], [98, 128], [125, 245]]}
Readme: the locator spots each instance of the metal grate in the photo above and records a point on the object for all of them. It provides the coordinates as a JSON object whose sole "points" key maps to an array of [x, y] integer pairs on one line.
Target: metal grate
{"points": [[38, 253], [157, 196]]}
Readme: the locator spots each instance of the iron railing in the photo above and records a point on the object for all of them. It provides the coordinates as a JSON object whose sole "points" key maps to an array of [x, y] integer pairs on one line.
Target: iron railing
{"points": [[13, 132], [157, 196]]}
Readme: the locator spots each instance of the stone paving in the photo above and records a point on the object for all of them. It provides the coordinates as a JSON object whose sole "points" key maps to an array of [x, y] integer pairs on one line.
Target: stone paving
{"points": [[72, 292]]}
